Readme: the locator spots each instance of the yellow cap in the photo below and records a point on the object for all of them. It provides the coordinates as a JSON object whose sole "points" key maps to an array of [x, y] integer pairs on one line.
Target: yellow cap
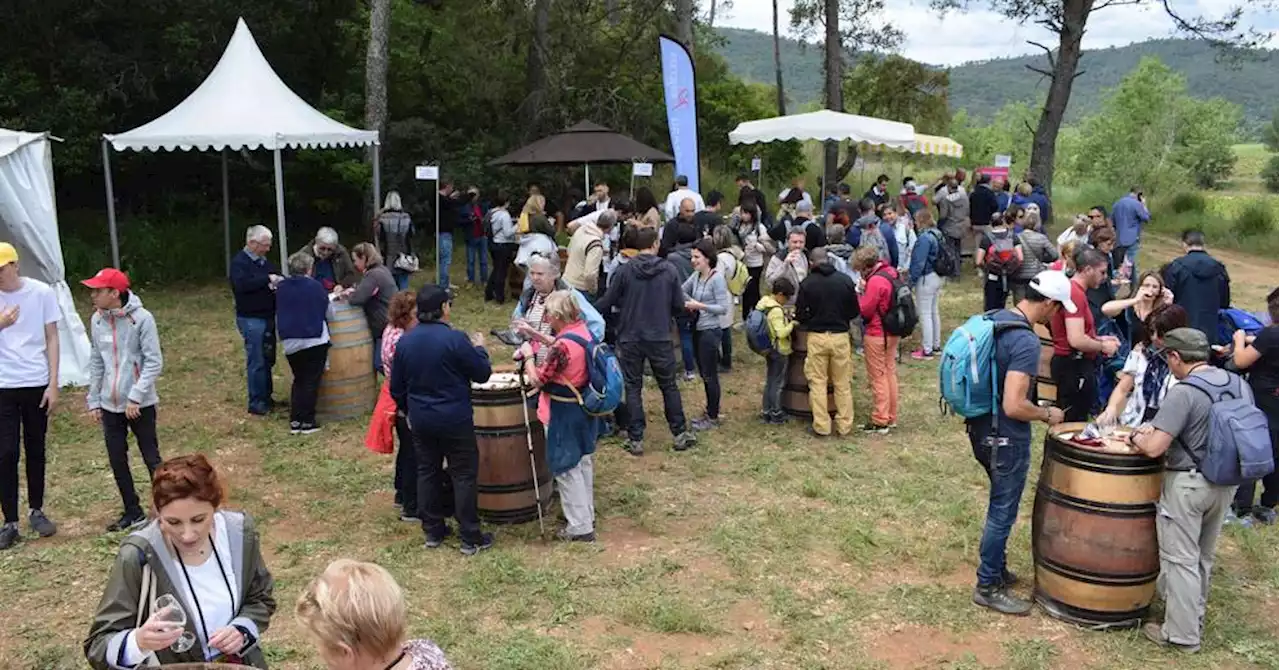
{"points": [[8, 254]]}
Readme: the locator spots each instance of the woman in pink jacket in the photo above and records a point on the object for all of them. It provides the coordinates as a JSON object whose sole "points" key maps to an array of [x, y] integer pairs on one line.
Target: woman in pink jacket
{"points": [[880, 347]]}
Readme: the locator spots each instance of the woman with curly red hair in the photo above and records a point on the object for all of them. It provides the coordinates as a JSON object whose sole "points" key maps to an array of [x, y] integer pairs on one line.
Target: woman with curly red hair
{"points": [[209, 562]]}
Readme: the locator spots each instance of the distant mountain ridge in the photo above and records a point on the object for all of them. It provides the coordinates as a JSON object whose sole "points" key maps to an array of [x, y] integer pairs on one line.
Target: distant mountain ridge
{"points": [[983, 87]]}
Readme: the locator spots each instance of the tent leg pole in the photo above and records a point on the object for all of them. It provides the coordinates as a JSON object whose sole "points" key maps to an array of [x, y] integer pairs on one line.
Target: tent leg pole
{"points": [[586, 191], [377, 184], [111, 205], [284, 241], [439, 233], [226, 214]]}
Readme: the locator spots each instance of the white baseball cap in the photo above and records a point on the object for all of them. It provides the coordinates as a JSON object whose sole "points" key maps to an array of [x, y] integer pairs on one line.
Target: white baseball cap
{"points": [[1055, 286]]}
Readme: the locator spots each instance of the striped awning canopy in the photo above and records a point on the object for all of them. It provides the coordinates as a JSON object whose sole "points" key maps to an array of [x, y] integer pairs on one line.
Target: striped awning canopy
{"points": [[938, 146]]}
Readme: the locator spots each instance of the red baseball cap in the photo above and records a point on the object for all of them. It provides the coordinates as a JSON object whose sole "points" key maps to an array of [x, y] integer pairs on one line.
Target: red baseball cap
{"points": [[108, 278]]}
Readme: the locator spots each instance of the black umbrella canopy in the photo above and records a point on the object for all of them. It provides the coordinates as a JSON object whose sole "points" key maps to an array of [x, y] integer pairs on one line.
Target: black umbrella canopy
{"points": [[585, 142]]}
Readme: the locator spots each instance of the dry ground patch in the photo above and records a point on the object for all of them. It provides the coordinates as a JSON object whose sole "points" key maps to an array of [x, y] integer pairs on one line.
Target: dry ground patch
{"points": [[762, 548]]}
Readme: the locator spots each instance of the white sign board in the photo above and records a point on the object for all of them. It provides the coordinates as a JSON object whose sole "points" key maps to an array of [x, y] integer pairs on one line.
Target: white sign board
{"points": [[755, 164], [642, 169], [426, 172], [859, 163], [1003, 160]]}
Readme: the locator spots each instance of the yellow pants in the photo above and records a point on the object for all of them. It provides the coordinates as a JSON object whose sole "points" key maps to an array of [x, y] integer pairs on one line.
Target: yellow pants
{"points": [[829, 361]]}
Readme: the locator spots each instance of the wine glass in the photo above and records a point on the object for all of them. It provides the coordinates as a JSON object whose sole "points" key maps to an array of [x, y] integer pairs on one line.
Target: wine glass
{"points": [[169, 610]]}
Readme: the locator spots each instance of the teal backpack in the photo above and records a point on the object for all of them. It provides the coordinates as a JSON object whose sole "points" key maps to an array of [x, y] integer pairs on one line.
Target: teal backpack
{"points": [[967, 375]]}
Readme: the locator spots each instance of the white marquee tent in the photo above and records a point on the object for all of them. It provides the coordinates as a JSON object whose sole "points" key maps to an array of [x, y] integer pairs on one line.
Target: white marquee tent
{"points": [[242, 104], [29, 221], [827, 125]]}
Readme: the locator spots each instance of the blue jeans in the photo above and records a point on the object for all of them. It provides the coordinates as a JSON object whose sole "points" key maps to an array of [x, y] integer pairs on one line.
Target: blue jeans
{"points": [[685, 326], [446, 258], [377, 355], [477, 250], [1006, 463], [259, 357], [402, 279]]}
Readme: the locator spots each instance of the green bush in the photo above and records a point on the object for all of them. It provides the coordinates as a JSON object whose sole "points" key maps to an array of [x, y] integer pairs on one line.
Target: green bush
{"points": [[1271, 174], [1188, 202], [1256, 218]]}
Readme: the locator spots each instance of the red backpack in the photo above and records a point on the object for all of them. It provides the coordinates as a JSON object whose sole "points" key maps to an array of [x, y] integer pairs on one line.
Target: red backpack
{"points": [[1002, 256]]}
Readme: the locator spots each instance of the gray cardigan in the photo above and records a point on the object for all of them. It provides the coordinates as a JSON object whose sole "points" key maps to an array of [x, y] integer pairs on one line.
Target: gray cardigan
{"points": [[374, 294], [1037, 253], [714, 293]]}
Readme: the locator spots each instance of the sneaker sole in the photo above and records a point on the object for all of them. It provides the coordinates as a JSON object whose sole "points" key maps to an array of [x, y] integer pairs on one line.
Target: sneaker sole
{"points": [[472, 551]]}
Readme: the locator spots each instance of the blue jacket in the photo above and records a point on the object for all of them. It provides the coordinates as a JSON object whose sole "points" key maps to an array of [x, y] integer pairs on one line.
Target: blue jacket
{"points": [[1200, 284], [1002, 200], [1039, 197], [304, 304], [590, 315], [251, 286], [431, 378], [854, 239], [923, 256], [1128, 215]]}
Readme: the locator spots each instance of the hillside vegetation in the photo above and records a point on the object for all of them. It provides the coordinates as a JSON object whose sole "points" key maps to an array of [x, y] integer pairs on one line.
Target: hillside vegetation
{"points": [[982, 88]]}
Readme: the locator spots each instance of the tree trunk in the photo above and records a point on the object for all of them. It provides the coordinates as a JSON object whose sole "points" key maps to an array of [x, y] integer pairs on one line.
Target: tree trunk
{"points": [[535, 73], [711, 18], [611, 12], [835, 76], [1044, 141], [684, 23], [375, 74], [777, 64]]}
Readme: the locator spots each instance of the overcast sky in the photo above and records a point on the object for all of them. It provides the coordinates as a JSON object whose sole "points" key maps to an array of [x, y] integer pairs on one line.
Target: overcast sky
{"points": [[983, 35]]}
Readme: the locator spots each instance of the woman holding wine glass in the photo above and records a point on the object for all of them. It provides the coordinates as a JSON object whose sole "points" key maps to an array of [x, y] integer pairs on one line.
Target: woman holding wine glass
{"points": [[190, 586]]}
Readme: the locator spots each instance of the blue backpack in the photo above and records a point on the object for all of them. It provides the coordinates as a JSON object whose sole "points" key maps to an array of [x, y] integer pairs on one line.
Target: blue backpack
{"points": [[967, 376], [1239, 440], [1232, 319], [605, 386], [757, 330]]}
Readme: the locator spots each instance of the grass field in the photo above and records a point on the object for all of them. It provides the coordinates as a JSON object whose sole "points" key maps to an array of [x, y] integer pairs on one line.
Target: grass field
{"points": [[761, 548]]}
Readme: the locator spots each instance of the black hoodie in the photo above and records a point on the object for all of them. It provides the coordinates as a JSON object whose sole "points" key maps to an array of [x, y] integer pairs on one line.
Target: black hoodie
{"points": [[1200, 285], [827, 300], [647, 293]]}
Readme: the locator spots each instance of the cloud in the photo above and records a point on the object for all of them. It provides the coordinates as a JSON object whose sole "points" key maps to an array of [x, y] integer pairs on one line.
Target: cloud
{"points": [[961, 37]]}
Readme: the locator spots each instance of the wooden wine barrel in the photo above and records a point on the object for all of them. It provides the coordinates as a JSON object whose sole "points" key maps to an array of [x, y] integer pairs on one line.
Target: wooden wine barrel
{"points": [[1046, 389], [504, 483], [795, 393], [348, 388], [1093, 533]]}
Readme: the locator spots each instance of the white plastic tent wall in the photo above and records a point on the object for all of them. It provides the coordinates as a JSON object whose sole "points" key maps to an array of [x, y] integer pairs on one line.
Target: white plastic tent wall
{"points": [[242, 104], [29, 221]]}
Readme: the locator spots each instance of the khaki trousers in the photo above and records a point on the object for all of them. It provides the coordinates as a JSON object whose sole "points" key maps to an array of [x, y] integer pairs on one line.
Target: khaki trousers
{"points": [[829, 361]]}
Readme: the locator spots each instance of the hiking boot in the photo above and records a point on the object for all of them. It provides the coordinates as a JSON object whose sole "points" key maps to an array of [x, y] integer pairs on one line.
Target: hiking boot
{"points": [[8, 535], [1009, 578], [872, 427], [689, 376], [998, 598], [704, 423], [1244, 520], [564, 536], [470, 548], [409, 517], [1154, 631], [686, 441], [633, 447], [813, 433], [41, 523], [306, 428], [1264, 515], [128, 521], [436, 537], [921, 355]]}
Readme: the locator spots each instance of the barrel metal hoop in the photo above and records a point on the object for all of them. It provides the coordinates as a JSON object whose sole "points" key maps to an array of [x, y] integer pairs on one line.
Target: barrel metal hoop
{"points": [[1095, 578], [518, 487], [1114, 510], [1105, 465], [1090, 618]]}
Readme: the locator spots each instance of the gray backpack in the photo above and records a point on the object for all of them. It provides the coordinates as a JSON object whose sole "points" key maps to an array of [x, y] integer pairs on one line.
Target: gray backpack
{"points": [[1239, 448]]}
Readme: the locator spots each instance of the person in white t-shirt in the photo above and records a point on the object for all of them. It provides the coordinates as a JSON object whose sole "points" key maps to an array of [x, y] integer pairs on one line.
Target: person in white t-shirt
{"points": [[672, 205], [28, 390]]}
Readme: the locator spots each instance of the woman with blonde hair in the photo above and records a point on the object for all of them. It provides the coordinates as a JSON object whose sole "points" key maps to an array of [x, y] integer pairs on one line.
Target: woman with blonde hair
{"points": [[393, 229], [189, 587], [559, 368], [356, 616], [537, 235], [928, 285]]}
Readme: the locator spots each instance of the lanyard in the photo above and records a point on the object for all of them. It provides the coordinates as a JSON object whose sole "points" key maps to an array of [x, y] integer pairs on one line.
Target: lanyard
{"points": [[192, 589], [395, 662]]}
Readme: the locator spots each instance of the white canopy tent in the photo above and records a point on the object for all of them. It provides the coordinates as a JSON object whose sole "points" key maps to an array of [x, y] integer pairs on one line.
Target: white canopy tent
{"points": [[825, 125], [242, 104], [29, 221]]}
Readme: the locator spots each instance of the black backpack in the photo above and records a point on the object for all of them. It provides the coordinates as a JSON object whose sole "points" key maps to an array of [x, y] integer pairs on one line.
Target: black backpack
{"points": [[945, 263], [901, 317]]}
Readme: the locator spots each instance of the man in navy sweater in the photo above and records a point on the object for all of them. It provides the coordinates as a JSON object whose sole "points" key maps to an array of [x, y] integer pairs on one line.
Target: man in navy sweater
{"points": [[431, 384], [253, 284]]}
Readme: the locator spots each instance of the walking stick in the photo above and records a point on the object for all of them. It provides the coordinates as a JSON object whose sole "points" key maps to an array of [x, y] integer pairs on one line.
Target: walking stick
{"points": [[528, 437]]}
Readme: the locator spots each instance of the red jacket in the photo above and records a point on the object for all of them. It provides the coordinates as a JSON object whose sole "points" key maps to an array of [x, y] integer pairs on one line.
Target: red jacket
{"points": [[874, 301]]}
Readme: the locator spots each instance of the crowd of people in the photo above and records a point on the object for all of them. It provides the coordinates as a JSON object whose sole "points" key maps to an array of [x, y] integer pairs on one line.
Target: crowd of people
{"points": [[852, 277]]}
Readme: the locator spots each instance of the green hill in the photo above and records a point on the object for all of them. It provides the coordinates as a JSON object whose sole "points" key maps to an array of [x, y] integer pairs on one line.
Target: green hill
{"points": [[984, 87]]}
